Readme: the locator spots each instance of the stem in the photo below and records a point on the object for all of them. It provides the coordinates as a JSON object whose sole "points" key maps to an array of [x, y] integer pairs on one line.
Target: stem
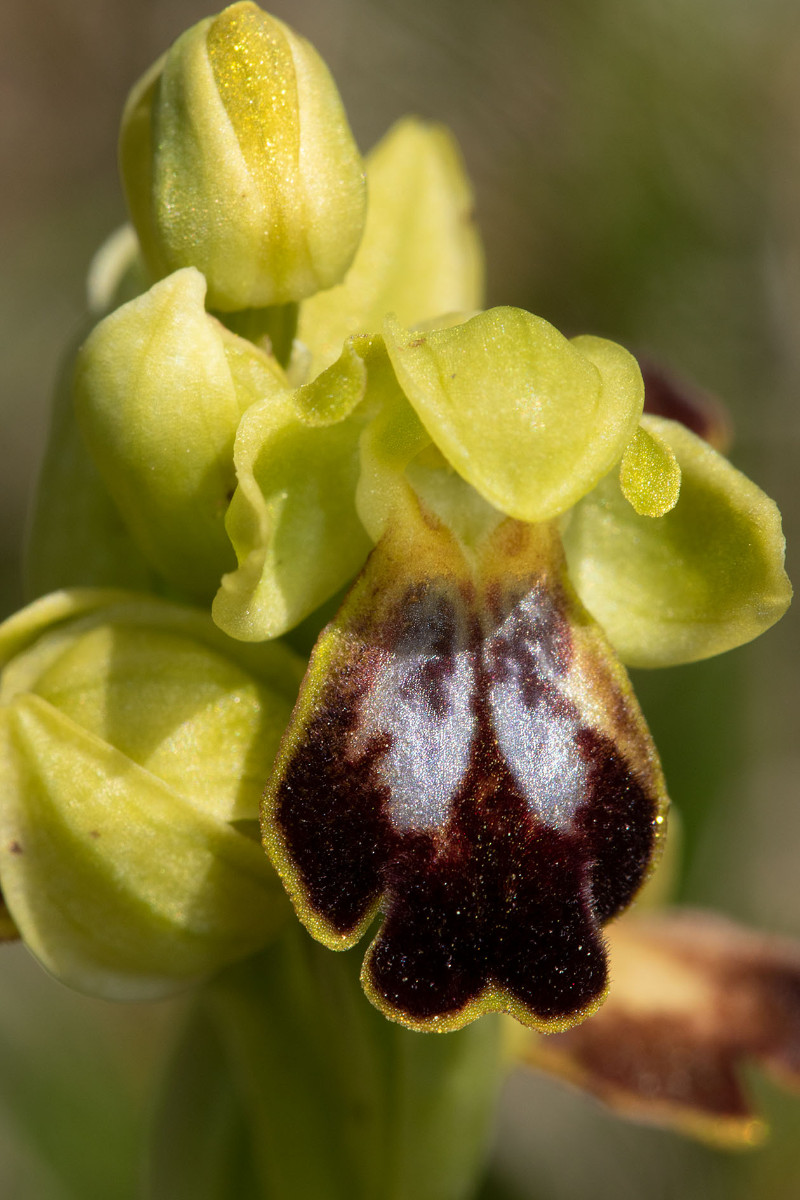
{"points": [[337, 1102]]}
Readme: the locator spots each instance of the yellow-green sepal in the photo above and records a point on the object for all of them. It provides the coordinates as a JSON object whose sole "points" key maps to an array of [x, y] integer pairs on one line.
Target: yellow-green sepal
{"points": [[420, 255], [159, 389], [704, 578], [292, 520], [530, 419]]}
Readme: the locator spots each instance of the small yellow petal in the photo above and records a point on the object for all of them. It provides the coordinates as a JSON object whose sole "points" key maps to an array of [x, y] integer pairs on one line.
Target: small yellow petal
{"points": [[649, 474]]}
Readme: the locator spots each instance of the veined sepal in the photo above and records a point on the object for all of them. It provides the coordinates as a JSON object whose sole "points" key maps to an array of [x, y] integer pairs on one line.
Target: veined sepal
{"points": [[466, 757]]}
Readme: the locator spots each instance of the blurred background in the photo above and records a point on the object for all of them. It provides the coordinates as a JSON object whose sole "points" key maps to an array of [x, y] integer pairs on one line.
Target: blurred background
{"points": [[637, 173]]}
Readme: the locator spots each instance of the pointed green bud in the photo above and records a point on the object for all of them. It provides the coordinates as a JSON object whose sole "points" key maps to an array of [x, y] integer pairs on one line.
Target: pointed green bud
{"points": [[134, 741], [237, 158], [531, 420], [421, 252], [160, 387]]}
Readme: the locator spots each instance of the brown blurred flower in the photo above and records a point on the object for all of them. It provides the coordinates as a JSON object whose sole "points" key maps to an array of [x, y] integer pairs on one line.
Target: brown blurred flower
{"points": [[693, 998]]}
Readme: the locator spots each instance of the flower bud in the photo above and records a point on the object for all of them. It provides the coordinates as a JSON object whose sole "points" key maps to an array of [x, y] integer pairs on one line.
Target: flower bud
{"points": [[76, 535], [160, 387], [237, 158], [134, 741]]}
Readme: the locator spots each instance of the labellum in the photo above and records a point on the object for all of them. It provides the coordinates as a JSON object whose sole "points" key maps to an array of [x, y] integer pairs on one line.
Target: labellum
{"points": [[466, 757]]}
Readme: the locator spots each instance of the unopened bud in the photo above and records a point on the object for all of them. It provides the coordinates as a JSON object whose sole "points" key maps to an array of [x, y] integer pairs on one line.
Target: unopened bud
{"points": [[237, 158], [134, 740]]}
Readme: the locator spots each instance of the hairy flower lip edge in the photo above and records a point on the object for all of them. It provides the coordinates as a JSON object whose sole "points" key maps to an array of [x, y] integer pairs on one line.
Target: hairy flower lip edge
{"points": [[492, 994]]}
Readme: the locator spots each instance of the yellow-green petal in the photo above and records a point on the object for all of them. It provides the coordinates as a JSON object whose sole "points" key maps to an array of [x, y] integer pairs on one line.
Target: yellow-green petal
{"points": [[293, 520], [531, 420], [704, 578], [421, 253], [649, 473]]}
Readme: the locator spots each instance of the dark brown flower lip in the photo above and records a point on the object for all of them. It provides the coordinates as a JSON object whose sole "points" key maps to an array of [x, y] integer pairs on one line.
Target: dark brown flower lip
{"points": [[463, 758]]}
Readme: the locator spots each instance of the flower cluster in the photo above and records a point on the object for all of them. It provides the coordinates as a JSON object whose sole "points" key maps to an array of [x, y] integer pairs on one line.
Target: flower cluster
{"points": [[291, 385]]}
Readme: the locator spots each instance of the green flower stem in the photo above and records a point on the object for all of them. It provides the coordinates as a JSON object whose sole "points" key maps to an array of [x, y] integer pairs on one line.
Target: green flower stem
{"points": [[337, 1102]]}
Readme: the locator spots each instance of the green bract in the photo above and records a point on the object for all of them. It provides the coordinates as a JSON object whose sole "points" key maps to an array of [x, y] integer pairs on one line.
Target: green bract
{"points": [[77, 534], [237, 159], [134, 739]]}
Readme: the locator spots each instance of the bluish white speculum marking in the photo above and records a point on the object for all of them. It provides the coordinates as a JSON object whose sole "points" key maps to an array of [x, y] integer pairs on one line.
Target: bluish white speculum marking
{"points": [[467, 754]]}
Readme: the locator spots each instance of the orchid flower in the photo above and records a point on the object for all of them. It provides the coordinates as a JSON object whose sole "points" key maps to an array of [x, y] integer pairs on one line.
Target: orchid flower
{"points": [[294, 427]]}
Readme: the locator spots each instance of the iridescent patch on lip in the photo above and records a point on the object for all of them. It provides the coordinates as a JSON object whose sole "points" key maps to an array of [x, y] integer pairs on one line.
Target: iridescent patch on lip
{"points": [[466, 756]]}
